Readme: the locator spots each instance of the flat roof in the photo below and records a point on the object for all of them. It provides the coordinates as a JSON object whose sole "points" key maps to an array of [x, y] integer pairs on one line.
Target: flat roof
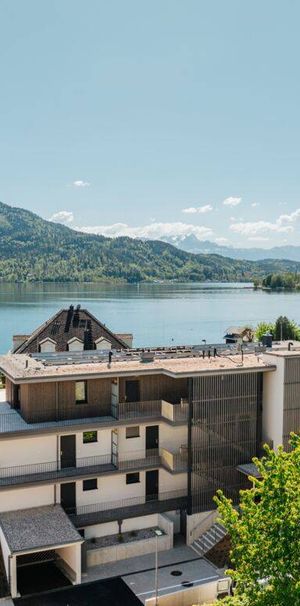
{"points": [[24, 368], [37, 528], [196, 572]]}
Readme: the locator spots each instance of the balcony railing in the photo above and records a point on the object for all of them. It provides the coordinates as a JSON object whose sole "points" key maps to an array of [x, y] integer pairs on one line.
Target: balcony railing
{"points": [[12, 420], [53, 470], [83, 510], [133, 410]]}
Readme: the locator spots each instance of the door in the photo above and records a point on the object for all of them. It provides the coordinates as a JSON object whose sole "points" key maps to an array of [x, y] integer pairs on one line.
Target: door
{"points": [[132, 391], [152, 439], [68, 497], [114, 447], [67, 451], [152, 485], [114, 397]]}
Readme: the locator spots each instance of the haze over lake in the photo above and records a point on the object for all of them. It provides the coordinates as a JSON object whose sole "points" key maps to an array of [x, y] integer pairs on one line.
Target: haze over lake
{"points": [[157, 314]]}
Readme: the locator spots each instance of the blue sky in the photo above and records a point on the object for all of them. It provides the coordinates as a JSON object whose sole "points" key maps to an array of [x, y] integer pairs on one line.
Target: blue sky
{"points": [[144, 117]]}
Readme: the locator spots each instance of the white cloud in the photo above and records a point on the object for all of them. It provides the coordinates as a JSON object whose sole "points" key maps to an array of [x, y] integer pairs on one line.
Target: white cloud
{"points": [[154, 231], [207, 208], [254, 204], [63, 216], [258, 239], [232, 201], [282, 225], [80, 183]]}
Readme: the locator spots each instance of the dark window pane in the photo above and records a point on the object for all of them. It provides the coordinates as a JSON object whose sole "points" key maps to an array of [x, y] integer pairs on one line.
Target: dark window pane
{"points": [[90, 484], [132, 478]]}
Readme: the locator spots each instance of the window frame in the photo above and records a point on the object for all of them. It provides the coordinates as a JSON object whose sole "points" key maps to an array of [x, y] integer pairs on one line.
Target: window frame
{"points": [[134, 473], [84, 484], [84, 401], [90, 441], [133, 427]]}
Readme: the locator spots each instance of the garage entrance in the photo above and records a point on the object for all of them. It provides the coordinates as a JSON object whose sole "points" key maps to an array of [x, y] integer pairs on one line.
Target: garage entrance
{"points": [[40, 572], [41, 549]]}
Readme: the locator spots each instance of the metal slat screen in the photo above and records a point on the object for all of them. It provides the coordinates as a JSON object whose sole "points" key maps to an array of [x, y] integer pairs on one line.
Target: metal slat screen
{"points": [[224, 432]]}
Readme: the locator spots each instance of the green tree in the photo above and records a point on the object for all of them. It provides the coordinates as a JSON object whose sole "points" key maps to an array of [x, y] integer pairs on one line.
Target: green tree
{"points": [[265, 532], [263, 328], [286, 329]]}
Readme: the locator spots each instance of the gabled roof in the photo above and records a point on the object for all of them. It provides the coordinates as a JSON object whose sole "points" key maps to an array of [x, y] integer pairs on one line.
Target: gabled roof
{"points": [[67, 324]]}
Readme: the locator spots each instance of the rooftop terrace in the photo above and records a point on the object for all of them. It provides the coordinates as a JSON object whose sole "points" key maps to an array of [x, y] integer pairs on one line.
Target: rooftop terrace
{"points": [[174, 362]]}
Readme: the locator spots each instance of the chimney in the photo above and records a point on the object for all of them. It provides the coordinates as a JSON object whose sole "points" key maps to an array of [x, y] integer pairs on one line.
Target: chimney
{"points": [[127, 338], [18, 340]]}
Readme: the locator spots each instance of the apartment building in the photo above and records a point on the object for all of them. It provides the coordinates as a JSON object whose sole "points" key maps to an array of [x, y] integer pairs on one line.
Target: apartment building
{"points": [[94, 446]]}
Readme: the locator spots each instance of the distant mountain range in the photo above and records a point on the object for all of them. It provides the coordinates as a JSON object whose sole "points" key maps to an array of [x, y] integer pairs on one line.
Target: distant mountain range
{"points": [[32, 249], [193, 245]]}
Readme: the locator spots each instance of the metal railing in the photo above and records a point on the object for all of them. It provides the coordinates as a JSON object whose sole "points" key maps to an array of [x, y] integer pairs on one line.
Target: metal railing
{"points": [[133, 460], [21, 420], [133, 410], [122, 503]]}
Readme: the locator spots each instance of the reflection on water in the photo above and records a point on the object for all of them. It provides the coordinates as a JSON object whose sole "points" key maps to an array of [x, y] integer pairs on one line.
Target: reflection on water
{"points": [[157, 314]]}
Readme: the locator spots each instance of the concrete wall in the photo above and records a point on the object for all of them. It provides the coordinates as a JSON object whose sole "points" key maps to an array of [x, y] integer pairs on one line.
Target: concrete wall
{"points": [[169, 482], [5, 552], [273, 394], [71, 561], [110, 488], [198, 523], [193, 596], [109, 528], [122, 551], [25, 451], [23, 498], [94, 449]]}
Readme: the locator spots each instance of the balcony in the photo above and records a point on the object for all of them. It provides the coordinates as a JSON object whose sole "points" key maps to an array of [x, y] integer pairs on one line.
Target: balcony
{"points": [[39, 419], [126, 508], [88, 466], [154, 408], [175, 461]]}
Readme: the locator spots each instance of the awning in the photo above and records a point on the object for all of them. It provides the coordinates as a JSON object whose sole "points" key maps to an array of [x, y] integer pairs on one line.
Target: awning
{"points": [[249, 469], [36, 528]]}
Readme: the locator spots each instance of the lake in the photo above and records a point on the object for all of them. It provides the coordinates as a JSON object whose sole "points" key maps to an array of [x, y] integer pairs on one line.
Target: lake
{"points": [[157, 314]]}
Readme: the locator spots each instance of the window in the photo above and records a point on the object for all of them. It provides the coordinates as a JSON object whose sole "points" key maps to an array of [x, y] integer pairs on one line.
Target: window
{"points": [[132, 478], [89, 436], [133, 432], [90, 484], [80, 392]]}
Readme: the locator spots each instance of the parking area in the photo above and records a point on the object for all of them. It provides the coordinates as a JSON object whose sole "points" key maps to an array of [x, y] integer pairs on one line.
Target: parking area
{"points": [[113, 592]]}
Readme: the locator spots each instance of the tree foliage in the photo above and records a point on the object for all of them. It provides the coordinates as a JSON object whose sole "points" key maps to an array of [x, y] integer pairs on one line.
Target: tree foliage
{"points": [[287, 281], [265, 532], [32, 249], [283, 328]]}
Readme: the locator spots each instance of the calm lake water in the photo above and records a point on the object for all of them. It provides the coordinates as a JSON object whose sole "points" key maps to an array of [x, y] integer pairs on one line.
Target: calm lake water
{"points": [[157, 314]]}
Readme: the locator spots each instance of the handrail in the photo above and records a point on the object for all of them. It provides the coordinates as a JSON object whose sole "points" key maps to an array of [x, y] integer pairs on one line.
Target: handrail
{"points": [[194, 531], [135, 459], [140, 500]]}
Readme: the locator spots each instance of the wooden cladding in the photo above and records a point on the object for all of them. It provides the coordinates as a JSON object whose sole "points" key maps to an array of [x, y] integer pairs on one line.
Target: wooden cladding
{"points": [[157, 387], [56, 400]]}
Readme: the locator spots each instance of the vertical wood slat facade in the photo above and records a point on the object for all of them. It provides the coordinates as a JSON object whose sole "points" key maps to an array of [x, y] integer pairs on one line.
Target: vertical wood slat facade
{"points": [[224, 422], [56, 400], [157, 387]]}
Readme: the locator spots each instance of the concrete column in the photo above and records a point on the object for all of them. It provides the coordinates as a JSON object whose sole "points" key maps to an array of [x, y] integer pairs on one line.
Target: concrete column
{"points": [[13, 576], [78, 563]]}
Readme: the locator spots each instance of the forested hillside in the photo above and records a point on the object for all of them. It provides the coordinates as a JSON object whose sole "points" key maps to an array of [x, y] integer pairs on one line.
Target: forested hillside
{"points": [[32, 249]]}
